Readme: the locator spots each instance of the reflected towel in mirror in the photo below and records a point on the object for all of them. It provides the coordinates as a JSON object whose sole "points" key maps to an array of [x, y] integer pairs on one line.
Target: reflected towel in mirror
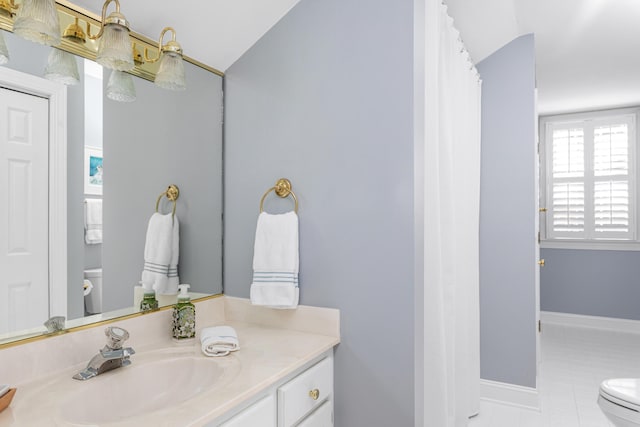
{"points": [[93, 221], [158, 252]]}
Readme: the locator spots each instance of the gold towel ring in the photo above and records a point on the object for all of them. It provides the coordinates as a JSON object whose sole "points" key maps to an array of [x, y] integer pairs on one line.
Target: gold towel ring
{"points": [[282, 189], [172, 194]]}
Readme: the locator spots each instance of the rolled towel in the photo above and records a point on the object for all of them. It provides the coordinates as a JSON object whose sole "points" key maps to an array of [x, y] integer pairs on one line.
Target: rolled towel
{"points": [[219, 340]]}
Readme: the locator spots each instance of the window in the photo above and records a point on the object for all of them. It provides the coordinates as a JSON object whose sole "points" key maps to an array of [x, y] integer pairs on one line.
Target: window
{"points": [[589, 187]]}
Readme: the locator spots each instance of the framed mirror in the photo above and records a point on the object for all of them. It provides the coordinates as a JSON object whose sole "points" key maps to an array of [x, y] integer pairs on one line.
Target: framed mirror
{"points": [[129, 152]]}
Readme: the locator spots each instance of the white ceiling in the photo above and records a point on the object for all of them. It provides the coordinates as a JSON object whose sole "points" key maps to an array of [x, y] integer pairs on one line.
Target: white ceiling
{"points": [[587, 51], [214, 32]]}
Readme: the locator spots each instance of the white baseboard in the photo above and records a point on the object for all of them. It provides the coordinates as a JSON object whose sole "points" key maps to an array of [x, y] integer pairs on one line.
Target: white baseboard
{"points": [[595, 322], [510, 394]]}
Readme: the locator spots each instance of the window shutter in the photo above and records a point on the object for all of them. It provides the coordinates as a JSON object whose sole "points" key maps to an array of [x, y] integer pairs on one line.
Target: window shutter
{"points": [[590, 188], [567, 177], [611, 192]]}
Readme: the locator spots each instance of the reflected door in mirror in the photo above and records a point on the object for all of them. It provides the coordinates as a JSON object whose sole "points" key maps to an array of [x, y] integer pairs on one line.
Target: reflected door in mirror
{"points": [[24, 213]]}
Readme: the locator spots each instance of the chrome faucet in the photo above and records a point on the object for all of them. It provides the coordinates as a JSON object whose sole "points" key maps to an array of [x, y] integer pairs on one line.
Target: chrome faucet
{"points": [[111, 356]]}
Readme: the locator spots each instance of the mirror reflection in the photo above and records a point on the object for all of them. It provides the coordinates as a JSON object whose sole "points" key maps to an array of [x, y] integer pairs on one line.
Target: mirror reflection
{"points": [[120, 157]]}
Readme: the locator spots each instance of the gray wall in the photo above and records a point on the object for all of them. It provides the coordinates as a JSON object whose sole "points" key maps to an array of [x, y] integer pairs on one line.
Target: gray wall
{"points": [[590, 282], [170, 138], [325, 99], [31, 58], [507, 214]]}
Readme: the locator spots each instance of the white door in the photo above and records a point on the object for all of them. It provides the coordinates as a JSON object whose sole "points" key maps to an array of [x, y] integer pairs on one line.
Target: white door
{"points": [[24, 210]]}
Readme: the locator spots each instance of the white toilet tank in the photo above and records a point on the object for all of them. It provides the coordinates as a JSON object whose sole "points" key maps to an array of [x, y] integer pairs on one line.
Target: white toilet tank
{"points": [[93, 300]]}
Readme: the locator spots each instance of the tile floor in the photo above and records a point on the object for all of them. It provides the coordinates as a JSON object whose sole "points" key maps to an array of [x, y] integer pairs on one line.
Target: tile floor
{"points": [[574, 362]]}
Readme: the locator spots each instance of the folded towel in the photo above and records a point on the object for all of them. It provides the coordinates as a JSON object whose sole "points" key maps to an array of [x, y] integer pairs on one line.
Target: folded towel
{"points": [[157, 252], [93, 221], [173, 278], [219, 340], [275, 261]]}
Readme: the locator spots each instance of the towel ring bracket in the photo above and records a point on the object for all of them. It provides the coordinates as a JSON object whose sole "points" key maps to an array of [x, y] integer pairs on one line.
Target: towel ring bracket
{"points": [[172, 194], [282, 189]]}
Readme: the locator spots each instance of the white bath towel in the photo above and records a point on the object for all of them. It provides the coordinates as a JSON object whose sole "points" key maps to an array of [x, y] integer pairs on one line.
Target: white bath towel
{"points": [[219, 340], [173, 279], [275, 261], [93, 221], [158, 252]]}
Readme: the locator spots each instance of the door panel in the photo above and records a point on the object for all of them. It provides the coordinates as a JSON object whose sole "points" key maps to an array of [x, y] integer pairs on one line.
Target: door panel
{"points": [[24, 216]]}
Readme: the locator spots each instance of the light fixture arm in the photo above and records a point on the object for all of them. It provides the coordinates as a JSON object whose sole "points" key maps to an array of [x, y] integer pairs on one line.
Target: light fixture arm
{"points": [[7, 7], [114, 18], [171, 46]]}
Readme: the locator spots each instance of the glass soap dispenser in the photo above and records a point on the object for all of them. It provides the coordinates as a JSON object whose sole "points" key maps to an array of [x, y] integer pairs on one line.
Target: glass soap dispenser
{"points": [[149, 301], [184, 315]]}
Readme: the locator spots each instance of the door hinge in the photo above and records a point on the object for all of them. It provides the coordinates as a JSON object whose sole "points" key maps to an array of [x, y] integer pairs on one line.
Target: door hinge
{"points": [[539, 326]]}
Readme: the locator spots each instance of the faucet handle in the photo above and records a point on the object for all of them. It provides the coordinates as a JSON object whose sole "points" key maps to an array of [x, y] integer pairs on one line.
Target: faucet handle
{"points": [[115, 337]]}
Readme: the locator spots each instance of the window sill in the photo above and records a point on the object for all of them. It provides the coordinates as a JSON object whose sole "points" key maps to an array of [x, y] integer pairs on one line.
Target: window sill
{"points": [[604, 245]]}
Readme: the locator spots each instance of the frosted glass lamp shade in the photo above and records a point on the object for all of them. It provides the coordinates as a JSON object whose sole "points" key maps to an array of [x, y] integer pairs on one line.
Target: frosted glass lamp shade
{"points": [[4, 52], [62, 68], [37, 21], [114, 48], [120, 87], [170, 73]]}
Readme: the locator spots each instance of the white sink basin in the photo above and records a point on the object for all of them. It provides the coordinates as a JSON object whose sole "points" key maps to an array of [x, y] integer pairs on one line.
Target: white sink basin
{"points": [[138, 389], [146, 392]]}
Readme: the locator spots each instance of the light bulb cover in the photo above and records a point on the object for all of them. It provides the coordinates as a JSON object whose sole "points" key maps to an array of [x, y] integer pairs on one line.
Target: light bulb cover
{"points": [[170, 73], [37, 21], [62, 68], [114, 49], [120, 87], [4, 51]]}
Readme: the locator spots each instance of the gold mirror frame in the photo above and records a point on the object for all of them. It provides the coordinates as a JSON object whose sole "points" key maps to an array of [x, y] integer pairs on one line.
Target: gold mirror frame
{"points": [[69, 12]]}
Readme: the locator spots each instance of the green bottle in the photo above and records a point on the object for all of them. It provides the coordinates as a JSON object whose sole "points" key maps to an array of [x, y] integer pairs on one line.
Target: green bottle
{"points": [[184, 315], [149, 301]]}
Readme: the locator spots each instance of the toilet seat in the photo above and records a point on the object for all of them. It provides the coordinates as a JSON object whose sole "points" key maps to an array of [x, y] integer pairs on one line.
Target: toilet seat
{"points": [[622, 391], [619, 400]]}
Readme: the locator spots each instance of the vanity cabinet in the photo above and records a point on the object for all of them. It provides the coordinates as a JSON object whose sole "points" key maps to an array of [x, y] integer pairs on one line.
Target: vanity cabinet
{"points": [[261, 413], [303, 399]]}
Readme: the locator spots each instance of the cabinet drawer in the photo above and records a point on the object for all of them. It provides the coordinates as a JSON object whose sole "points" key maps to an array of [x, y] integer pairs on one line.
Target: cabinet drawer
{"points": [[305, 392], [261, 413], [321, 417]]}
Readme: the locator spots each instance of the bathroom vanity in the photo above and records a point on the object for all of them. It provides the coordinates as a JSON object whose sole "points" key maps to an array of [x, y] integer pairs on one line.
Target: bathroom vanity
{"points": [[282, 375]]}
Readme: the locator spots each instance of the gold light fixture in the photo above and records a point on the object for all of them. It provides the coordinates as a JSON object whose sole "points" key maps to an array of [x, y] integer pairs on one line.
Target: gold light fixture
{"points": [[114, 47], [7, 7], [37, 21], [170, 73], [74, 33]]}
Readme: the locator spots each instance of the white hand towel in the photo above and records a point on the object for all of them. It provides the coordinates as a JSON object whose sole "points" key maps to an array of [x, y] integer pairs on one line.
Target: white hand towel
{"points": [[157, 252], [173, 278], [93, 221], [219, 340], [276, 261]]}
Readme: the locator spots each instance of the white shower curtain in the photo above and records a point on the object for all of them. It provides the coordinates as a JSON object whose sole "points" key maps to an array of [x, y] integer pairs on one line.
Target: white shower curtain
{"points": [[451, 224]]}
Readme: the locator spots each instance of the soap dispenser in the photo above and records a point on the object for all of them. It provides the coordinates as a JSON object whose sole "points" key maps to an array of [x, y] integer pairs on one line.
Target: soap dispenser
{"points": [[184, 315], [149, 301]]}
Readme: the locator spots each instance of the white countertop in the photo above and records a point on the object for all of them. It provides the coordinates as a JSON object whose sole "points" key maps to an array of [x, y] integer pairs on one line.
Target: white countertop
{"points": [[268, 353]]}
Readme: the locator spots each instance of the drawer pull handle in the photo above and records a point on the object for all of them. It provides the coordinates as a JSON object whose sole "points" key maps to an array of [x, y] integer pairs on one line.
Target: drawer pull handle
{"points": [[314, 394]]}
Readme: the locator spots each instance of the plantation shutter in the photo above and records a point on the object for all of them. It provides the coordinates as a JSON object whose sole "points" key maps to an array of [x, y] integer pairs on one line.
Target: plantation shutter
{"points": [[590, 173]]}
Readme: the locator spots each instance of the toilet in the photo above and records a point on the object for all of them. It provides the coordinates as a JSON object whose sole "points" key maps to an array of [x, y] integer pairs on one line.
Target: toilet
{"points": [[619, 399], [93, 299]]}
